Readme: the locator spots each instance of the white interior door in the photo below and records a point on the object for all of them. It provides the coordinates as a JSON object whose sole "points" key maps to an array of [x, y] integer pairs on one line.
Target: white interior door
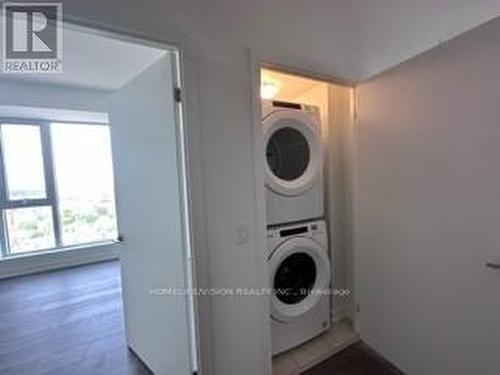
{"points": [[150, 215]]}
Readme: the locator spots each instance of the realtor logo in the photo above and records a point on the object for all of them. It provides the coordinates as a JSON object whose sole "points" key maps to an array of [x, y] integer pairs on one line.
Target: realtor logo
{"points": [[32, 38]]}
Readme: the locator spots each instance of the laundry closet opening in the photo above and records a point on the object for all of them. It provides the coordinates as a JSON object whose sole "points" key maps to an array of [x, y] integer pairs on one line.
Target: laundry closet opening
{"points": [[307, 127]]}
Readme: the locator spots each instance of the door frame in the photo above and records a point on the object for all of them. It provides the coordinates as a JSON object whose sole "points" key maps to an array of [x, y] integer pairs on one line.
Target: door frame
{"points": [[191, 189], [349, 120]]}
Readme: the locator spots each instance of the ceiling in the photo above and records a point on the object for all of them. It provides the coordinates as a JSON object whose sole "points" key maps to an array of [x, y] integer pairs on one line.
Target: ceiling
{"points": [[356, 39], [392, 31], [349, 39], [94, 61]]}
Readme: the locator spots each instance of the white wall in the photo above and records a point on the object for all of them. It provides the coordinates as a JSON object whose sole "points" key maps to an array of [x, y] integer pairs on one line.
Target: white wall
{"points": [[318, 95], [335, 106], [51, 96], [427, 208], [339, 203], [24, 265], [240, 325]]}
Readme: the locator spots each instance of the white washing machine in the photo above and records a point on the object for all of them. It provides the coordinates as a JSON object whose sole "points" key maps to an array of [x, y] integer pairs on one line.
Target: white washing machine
{"points": [[299, 269], [294, 168]]}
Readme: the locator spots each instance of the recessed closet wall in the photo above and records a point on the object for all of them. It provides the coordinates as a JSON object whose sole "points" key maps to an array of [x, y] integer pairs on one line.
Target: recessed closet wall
{"points": [[427, 208], [335, 105]]}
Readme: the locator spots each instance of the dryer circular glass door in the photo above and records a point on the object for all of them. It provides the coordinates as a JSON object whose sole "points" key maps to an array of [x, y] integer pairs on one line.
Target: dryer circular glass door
{"points": [[299, 271], [293, 151]]}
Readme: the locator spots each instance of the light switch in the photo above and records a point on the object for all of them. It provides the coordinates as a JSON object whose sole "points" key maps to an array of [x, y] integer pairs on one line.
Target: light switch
{"points": [[242, 233]]}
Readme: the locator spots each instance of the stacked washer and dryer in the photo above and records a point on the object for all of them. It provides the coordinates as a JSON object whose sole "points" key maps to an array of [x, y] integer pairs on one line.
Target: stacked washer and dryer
{"points": [[298, 255]]}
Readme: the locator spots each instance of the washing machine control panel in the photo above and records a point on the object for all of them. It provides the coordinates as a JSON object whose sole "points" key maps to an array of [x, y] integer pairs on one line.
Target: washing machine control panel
{"points": [[294, 231], [305, 229]]}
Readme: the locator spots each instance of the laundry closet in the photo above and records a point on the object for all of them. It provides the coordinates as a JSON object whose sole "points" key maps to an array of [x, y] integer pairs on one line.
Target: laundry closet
{"points": [[307, 127]]}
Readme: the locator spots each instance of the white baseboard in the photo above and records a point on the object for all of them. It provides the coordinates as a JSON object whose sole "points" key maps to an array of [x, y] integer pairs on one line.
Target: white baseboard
{"points": [[29, 264]]}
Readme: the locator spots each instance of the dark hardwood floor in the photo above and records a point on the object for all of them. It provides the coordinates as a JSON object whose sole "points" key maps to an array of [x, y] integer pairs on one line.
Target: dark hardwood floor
{"points": [[358, 359], [65, 323], [70, 322]]}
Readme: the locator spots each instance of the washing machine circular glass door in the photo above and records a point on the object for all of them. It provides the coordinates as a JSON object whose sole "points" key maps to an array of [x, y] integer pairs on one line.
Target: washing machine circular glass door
{"points": [[300, 273], [293, 151]]}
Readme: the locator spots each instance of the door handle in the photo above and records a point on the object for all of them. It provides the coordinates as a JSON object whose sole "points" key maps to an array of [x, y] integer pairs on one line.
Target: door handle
{"points": [[495, 266]]}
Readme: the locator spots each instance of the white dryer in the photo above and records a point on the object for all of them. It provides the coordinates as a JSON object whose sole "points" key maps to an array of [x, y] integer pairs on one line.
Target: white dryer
{"points": [[299, 269], [294, 167]]}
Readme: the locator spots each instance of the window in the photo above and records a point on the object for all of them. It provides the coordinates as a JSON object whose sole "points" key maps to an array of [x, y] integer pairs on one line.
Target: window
{"points": [[56, 186], [23, 162]]}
